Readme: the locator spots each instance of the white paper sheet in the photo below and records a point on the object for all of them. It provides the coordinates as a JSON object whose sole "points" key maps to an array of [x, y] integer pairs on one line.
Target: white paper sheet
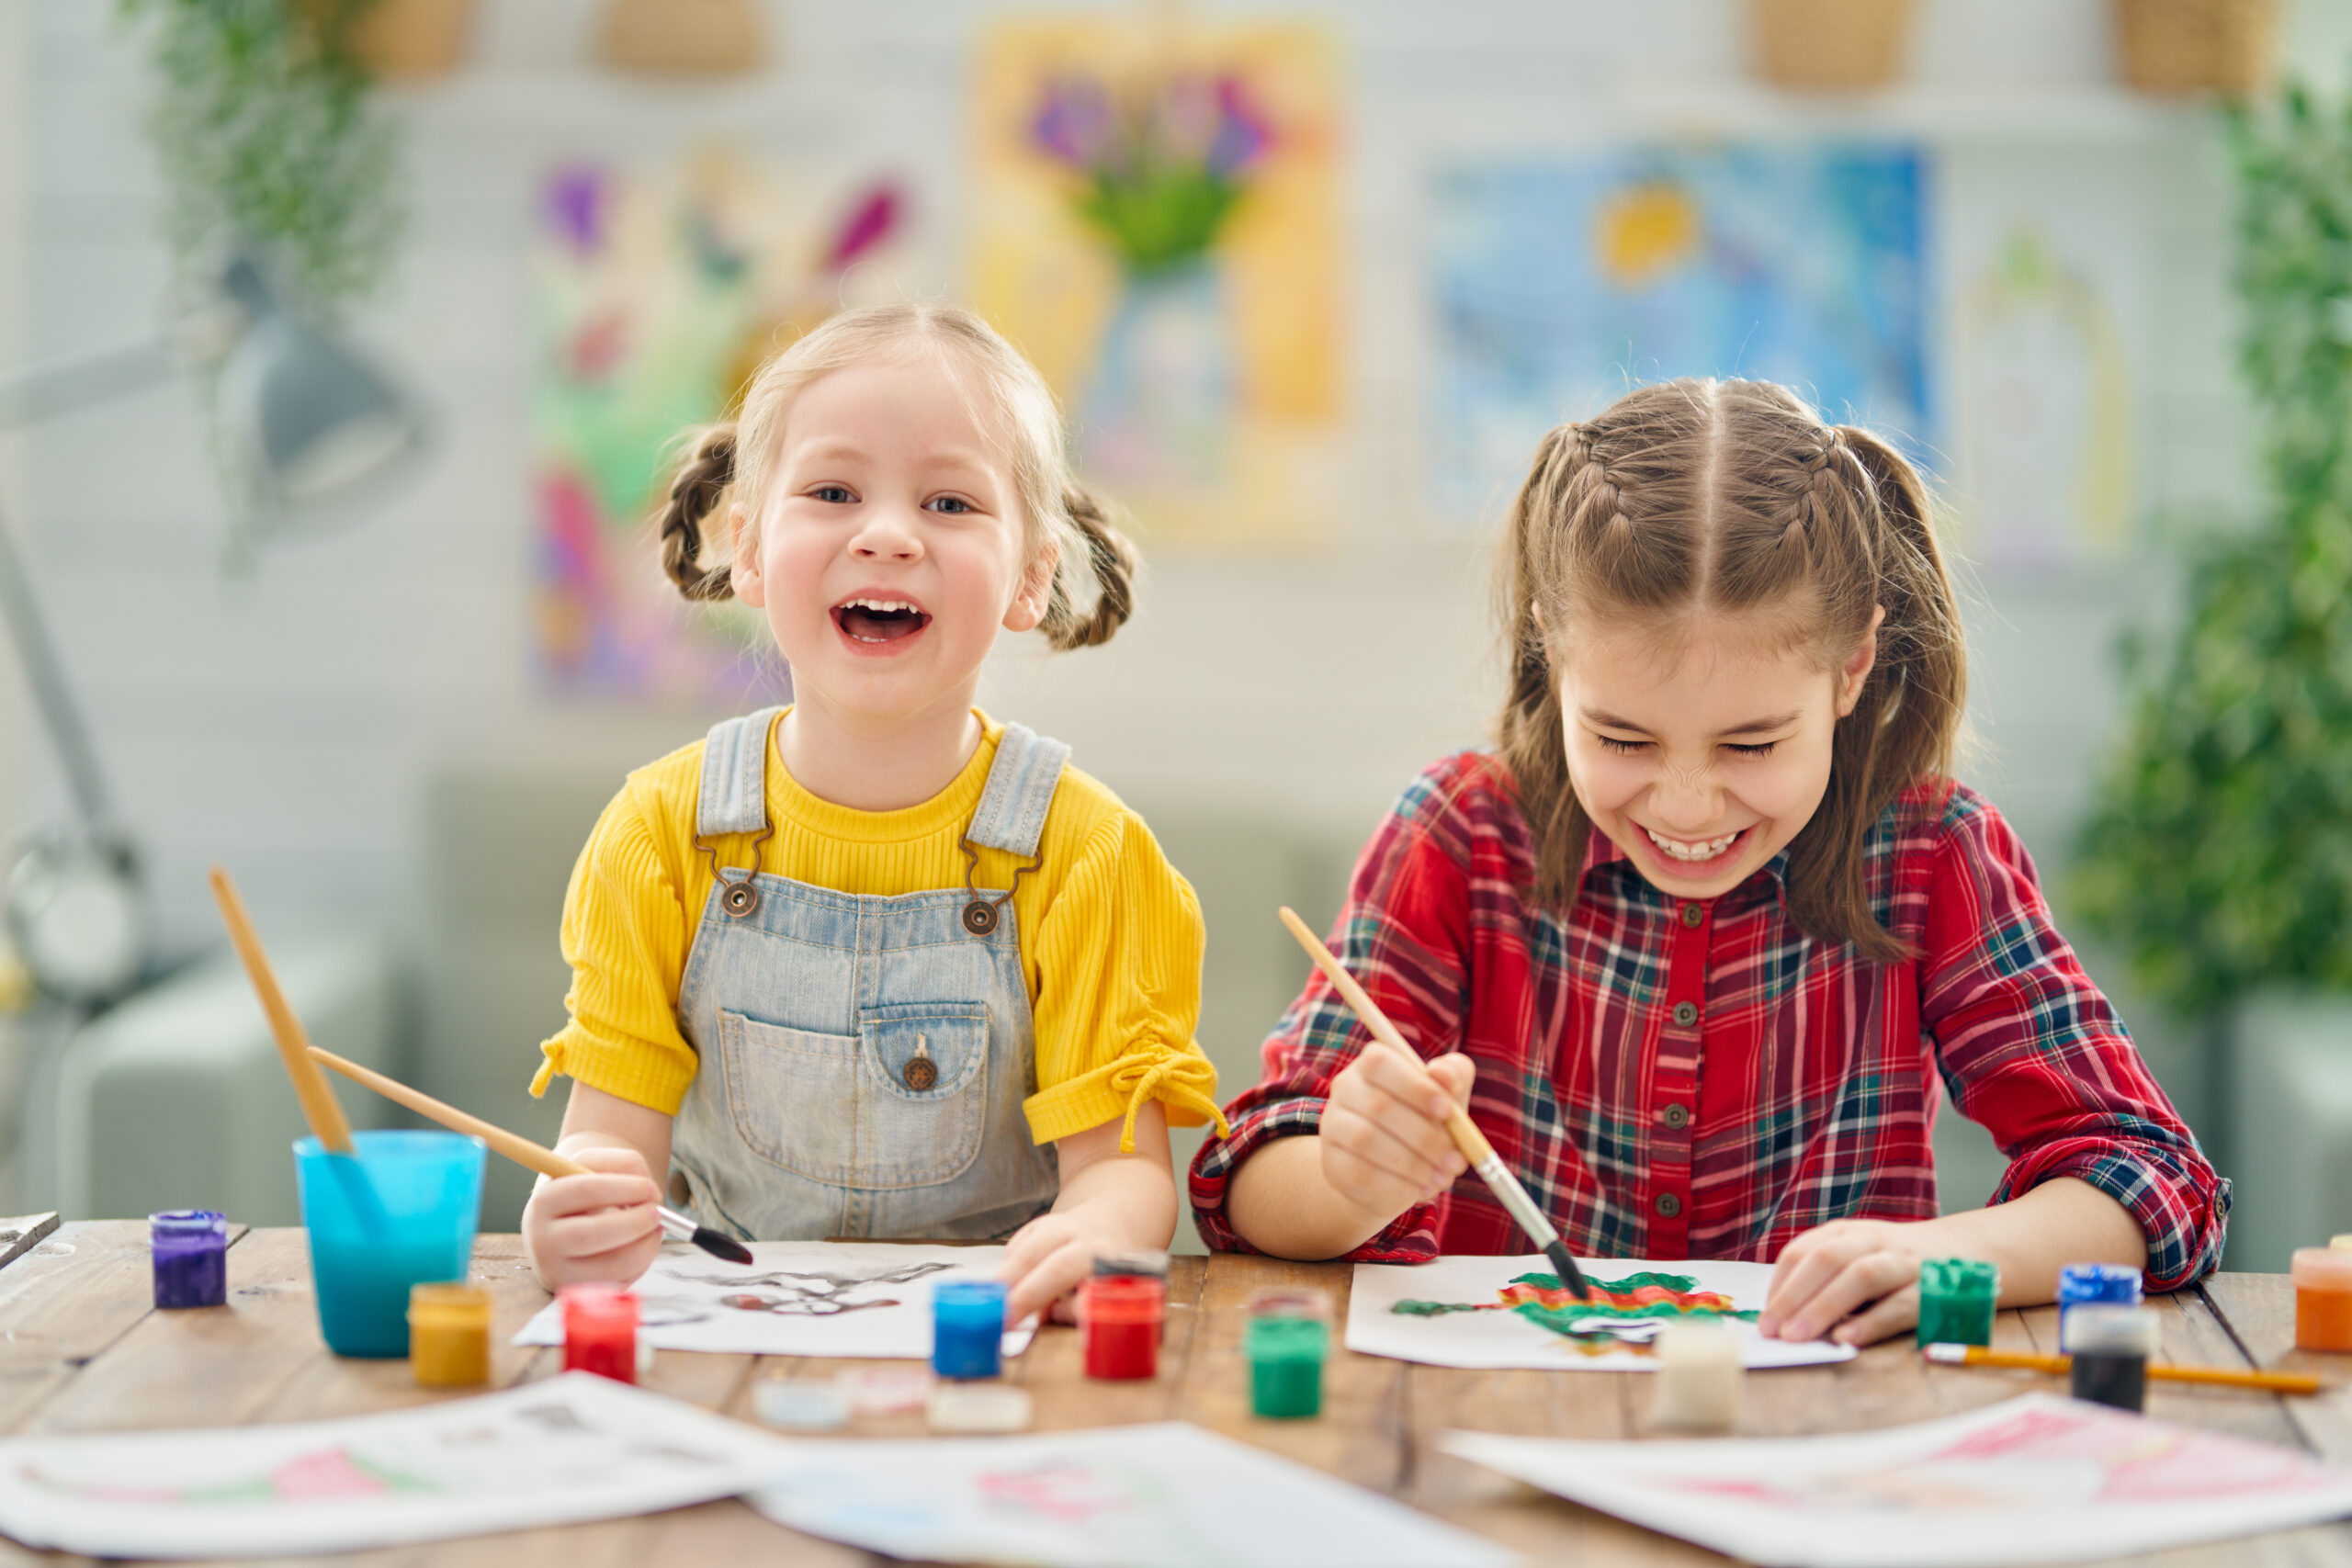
{"points": [[1500, 1338], [797, 1298], [1163, 1495], [2036, 1480], [572, 1449]]}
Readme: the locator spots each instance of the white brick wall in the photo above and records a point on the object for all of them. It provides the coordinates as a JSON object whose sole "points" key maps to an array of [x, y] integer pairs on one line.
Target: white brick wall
{"points": [[281, 723]]}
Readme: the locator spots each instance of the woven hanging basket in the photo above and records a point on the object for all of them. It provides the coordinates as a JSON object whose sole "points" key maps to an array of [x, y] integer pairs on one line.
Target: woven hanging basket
{"points": [[1834, 45], [2188, 46], [406, 40], [684, 38]]}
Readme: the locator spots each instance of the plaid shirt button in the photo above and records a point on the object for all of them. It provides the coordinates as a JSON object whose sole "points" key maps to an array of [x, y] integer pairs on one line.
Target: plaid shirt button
{"points": [[1693, 913], [1669, 1205], [1677, 1116], [1686, 1013]]}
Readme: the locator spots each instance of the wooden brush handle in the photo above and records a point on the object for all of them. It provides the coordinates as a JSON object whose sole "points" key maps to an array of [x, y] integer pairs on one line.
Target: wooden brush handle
{"points": [[1466, 1136], [514, 1145], [320, 1107]]}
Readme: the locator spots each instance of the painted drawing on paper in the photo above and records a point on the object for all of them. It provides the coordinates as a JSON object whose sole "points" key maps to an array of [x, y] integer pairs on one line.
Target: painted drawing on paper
{"points": [[1157, 227], [657, 292], [798, 1298], [2035, 1479], [1511, 1312], [1560, 281], [1626, 1312]]}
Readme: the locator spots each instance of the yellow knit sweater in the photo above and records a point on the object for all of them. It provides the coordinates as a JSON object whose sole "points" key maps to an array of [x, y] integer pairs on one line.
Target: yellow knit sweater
{"points": [[1110, 936]]}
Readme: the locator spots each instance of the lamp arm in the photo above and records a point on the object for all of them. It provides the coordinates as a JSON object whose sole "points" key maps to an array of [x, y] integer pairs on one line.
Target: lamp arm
{"points": [[38, 653], [48, 390]]}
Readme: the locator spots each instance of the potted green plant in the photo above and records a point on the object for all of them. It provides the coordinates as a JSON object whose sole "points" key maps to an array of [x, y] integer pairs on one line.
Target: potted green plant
{"points": [[269, 140], [2220, 855]]}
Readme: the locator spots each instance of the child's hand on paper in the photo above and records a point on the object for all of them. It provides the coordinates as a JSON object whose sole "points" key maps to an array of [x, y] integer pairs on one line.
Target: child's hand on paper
{"points": [[1855, 1281], [1384, 1140], [577, 1228]]}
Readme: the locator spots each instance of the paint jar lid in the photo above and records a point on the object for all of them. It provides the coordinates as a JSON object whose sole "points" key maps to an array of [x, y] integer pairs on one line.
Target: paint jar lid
{"points": [[2095, 1328], [1135, 1260], [1122, 1298], [2341, 1243], [188, 1225], [1291, 1300], [598, 1304], [448, 1307], [1696, 1342], [1968, 1278], [801, 1405], [968, 1296], [2116, 1283], [1286, 1339], [979, 1407], [2321, 1269], [883, 1390]]}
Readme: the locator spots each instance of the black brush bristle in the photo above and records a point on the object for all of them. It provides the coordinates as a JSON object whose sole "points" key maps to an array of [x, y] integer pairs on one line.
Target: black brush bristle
{"points": [[1565, 1267], [721, 1245]]}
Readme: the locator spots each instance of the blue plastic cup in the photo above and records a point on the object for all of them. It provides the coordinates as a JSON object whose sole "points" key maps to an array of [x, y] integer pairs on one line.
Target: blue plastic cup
{"points": [[402, 1214]]}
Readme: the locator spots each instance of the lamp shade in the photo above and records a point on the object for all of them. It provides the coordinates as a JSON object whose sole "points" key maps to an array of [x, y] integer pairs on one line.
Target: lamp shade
{"points": [[303, 420]]}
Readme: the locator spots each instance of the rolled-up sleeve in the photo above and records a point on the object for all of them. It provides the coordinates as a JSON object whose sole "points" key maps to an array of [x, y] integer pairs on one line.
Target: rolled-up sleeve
{"points": [[1399, 934], [2033, 1052]]}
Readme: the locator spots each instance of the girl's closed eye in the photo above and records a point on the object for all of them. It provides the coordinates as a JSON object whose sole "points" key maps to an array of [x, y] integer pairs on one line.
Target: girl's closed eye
{"points": [[1623, 748], [1751, 748]]}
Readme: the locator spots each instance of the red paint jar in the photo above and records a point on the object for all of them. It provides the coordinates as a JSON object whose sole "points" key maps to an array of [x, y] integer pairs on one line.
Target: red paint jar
{"points": [[1119, 1317], [599, 1331]]}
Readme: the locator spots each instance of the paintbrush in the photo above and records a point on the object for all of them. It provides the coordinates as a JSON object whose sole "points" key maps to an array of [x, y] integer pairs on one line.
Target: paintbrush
{"points": [[320, 1107], [1466, 1136], [521, 1151], [2225, 1377]]}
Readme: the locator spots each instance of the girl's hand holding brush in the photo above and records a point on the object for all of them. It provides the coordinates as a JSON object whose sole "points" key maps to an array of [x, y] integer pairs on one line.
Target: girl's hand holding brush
{"points": [[1384, 1141]]}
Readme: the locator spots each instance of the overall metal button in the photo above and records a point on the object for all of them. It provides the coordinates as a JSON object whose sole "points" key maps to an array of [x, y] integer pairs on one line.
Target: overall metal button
{"points": [[1676, 1115], [979, 916], [1669, 1205], [921, 1072], [1686, 1013]]}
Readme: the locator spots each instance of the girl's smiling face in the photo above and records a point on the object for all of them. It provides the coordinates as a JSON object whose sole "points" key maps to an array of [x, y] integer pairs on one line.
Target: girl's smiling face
{"points": [[890, 550], [1702, 757]]}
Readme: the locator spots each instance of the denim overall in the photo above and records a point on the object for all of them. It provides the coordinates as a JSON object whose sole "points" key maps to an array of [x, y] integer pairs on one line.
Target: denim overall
{"points": [[863, 1059]]}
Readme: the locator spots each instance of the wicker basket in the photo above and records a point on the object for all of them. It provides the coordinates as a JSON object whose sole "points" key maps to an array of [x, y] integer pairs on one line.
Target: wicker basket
{"points": [[1839, 45], [2186, 45], [405, 40]]}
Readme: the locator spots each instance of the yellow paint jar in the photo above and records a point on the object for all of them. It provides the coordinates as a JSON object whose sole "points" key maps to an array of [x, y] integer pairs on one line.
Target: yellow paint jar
{"points": [[448, 1335]]}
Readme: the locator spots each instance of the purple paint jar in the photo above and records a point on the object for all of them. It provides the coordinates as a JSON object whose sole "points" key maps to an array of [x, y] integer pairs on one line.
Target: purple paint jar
{"points": [[191, 1248]]}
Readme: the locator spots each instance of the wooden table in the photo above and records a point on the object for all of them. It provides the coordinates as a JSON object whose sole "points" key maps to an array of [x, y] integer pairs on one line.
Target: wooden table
{"points": [[80, 1350]]}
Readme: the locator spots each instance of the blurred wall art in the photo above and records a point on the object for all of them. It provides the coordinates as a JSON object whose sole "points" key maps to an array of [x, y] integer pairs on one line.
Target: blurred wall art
{"points": [[657, 292], [1561, 281], [1157, 226]]}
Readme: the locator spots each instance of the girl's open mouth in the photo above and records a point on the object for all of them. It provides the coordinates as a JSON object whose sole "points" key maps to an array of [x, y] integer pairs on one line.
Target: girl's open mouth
{"points": [[1695, 857], [877, 620]]}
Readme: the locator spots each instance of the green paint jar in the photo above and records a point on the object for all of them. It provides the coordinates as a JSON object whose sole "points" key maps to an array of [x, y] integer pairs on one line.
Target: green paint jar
{"points": [[1286, 1366], [1956, 1297]]}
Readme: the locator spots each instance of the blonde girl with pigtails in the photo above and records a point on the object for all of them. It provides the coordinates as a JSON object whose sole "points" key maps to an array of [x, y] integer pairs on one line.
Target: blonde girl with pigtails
{"points": [[876, 963], [1707, 936]]}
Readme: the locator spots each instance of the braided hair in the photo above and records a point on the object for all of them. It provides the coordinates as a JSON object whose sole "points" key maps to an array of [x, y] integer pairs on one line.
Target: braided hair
{"points": [[1694, 496]]}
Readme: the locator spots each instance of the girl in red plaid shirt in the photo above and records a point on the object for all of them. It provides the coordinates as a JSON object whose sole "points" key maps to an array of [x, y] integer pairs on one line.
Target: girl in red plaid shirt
{"points": [[1706, 938]]}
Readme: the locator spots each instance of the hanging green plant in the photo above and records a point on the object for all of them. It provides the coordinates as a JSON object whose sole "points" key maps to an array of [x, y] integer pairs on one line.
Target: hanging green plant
{"points": [[269, 139], [2220, 856]]}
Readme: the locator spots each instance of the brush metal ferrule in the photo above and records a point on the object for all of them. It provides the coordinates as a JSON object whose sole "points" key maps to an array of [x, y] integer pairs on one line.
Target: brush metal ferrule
{"points": [[1506, 1186]]}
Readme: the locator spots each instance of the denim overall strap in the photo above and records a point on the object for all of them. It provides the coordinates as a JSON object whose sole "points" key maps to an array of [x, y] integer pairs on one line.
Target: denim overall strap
{"points": [[863, 1060], [735, 776], [1022, 781]]}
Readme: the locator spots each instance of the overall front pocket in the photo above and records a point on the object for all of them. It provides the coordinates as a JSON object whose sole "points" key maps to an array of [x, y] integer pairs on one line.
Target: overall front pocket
{"points": [[843, 1109]]}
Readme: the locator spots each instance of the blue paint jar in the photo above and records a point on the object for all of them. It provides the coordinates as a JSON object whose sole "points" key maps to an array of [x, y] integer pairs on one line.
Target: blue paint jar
{"points": [[191, 1253], [2093, 1284], [966, 1329]]}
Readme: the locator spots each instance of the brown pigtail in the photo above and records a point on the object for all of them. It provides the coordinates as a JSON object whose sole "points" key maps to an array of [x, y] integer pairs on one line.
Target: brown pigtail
{"points": [[1533, 734], [697, 489], [1110, 558]]}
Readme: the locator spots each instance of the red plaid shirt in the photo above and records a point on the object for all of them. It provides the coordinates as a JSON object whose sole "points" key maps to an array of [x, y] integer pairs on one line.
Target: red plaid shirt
{"points": [[1703, 1079]]}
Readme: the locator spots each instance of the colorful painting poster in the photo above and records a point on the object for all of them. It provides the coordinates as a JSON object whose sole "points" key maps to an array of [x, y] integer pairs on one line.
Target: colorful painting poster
{"points": [[1156, 218], [1559, 282], [658, 291], [797, 1298], [568, 1450], [1512, 1312], [2038, 1479], [1163, 1495]]}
